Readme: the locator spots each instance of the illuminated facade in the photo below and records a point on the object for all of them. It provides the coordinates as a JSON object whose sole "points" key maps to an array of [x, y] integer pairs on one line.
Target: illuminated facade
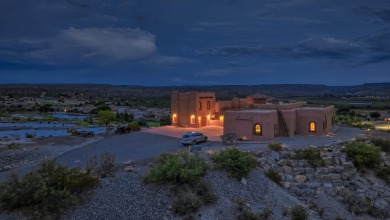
{"points": [[251, 118], [193, 109]]}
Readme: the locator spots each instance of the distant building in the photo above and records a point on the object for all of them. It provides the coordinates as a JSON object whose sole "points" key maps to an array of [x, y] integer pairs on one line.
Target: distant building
{"points": [[251, 118]]}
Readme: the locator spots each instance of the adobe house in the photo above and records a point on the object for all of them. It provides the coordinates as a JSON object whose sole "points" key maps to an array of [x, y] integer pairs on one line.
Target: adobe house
{"points": [[192, 109], [251, 118]]}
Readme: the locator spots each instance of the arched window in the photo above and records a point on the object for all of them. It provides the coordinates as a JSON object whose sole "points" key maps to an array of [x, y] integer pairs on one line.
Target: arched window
{"points": [[208, 105], [312, 126], [174, 118], [258, 130], [192, 119], [200, 106]]}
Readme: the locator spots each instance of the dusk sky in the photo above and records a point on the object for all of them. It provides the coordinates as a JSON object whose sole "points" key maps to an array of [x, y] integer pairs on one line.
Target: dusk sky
{"points": [[195, 42]]}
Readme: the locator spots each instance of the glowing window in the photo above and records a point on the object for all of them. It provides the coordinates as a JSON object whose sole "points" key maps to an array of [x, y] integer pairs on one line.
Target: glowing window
{"points": [[258, 129], [312, 126], [208, 105], [192, 119], [174, 118], [200, 105]]}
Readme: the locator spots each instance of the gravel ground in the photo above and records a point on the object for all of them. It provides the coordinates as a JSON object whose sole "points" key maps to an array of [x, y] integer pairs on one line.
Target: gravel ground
{"points": [[125, 197], [258, 192]]}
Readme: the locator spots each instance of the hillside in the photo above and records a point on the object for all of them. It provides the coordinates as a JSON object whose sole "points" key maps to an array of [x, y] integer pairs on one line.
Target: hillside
{"points": [[222, 91]]}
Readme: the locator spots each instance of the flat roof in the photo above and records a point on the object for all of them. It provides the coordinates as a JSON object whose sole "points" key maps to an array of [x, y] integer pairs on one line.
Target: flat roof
{"points": [[314, 108], [256, 110]]}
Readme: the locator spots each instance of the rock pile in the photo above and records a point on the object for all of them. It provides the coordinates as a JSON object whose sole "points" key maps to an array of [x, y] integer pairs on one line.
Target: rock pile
{"points": [[334, 175]]}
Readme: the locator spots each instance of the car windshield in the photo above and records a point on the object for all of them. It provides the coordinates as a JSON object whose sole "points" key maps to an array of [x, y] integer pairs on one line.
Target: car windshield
{"points": [[186, 136]]}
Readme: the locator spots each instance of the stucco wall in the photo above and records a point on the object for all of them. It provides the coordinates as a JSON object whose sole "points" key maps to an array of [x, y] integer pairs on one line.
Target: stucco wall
{"points": [[187, 105], [317, 115], [290, 117], [243, 123]]}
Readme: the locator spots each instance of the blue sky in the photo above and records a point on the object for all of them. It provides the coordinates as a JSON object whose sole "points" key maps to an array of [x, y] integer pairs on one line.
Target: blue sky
{"points": [[183, 42]]}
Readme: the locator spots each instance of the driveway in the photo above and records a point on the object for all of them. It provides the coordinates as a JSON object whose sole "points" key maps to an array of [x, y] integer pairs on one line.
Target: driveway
{"points": [[213, 132], [132, 146], [152, 142]]}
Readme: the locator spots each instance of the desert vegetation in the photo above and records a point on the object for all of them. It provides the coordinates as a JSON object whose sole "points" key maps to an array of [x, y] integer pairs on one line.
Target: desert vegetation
{"points": [[184, 170], [47, 192], [238, 164]]}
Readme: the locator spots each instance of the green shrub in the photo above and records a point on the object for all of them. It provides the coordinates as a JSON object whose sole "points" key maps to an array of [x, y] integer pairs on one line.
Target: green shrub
{"points": [[363, 155], [177, 168], [275, 146], [313, 157], [237, 163], [308, 154], [384, 173], [298, 213], [103, 167], [30, 135], [274, 176], [83, 123], [189, 197], [244, 212], [383, 144], [186, 203], [47, 191], [134, 126]]}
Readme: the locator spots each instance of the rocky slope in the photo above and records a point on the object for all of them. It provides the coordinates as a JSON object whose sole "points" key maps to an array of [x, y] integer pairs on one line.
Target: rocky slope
{"points": [[333, 189]]}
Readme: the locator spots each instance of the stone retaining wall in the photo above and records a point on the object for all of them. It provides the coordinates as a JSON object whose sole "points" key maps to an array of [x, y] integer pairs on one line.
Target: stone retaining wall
{"points": [[336, 176]]}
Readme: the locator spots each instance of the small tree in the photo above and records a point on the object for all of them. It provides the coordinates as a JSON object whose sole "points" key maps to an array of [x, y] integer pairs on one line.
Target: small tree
{"points": [[105, 117], [375, 115]]}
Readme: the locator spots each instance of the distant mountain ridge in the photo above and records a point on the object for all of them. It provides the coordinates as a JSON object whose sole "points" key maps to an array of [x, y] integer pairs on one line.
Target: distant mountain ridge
{"points": [[222, 91]]}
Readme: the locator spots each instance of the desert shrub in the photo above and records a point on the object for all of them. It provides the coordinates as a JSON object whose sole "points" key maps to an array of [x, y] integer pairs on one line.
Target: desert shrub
{"points": [[186, 203], [83, 123], [142, 122], [134, 126], [364, 126], [229, 139], [316, 207], [275, 146], [177, 168], [103, 167], [30, 135], [13, 146], [363, 155], [383, 144], [274, 176], [189, 197], [308, 154], [298, 213], [360, 205], [244, 212], [237, 163], [384, 174], [311, 155], [46, 192]]}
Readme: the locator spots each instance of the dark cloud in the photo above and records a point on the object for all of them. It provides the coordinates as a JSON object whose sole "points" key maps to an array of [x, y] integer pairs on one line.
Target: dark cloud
{"points": [[20, 46], [330, 48], [382, 14], [153, 42]]}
